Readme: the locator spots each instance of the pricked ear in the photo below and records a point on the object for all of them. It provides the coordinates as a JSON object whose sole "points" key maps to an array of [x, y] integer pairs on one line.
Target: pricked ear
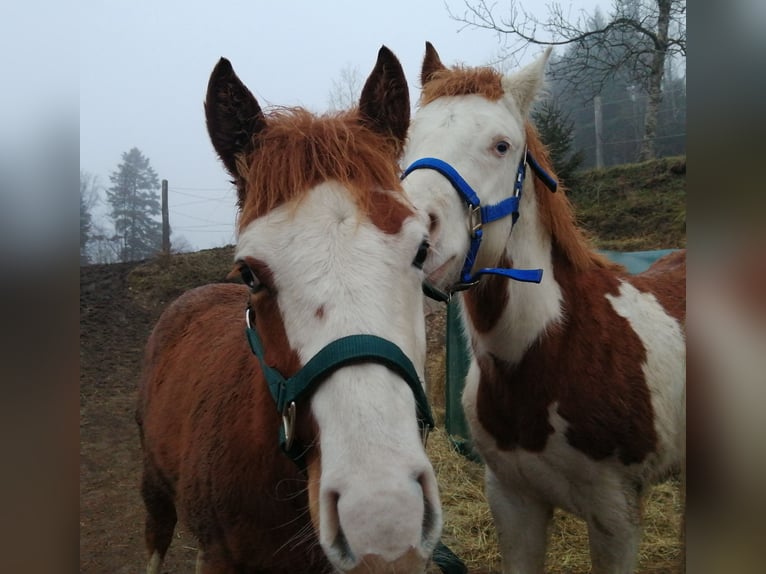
{"points": [[233, 117], [524, 86], [431, 64], [384, 105]]}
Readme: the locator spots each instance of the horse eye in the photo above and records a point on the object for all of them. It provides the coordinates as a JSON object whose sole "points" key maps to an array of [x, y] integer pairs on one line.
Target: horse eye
{"points": [[420, 258], [502, 147], [248, 277]]}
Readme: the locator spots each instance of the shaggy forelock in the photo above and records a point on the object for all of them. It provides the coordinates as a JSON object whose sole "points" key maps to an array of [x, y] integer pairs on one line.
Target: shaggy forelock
{"points": [[298, 150], [462, 81]]}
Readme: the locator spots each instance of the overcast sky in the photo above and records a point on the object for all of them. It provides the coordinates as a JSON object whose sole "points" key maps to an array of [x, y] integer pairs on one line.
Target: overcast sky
{"points": [[144, 67]]}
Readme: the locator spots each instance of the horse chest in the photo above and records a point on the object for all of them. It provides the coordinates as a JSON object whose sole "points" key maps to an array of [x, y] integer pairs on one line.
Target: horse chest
{"points": [[542, 461], [525, 407]]}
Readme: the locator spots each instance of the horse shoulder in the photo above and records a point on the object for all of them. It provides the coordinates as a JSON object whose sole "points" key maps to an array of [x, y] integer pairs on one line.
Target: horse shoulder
{"points": [[199, 379], [210, 427]]}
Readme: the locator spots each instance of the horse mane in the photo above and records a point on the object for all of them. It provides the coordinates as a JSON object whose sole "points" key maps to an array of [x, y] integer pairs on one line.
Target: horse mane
{"points": [[557, 213], [298, 150], [463, 81]]}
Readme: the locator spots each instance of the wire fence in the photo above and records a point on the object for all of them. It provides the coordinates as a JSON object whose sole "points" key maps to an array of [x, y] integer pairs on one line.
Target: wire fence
{"points": [[197, 213]]}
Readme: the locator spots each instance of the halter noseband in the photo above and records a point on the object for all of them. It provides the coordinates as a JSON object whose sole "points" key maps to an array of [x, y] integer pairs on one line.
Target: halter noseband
{"points": [[342, 352], [479, 215]]}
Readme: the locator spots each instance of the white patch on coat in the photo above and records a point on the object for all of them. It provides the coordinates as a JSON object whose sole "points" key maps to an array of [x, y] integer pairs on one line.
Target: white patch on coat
{"points": [[664, 371]]}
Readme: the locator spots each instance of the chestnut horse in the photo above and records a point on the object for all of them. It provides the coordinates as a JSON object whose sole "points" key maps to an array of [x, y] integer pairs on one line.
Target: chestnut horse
{"points": [[575, 395], [331, 252]]}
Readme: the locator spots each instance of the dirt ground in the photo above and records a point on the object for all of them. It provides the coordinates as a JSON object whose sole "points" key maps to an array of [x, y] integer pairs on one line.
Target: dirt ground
{"points": [[112, 332]]}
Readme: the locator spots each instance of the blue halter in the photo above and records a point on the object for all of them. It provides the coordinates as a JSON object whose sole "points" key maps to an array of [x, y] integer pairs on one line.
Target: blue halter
{"points": [[479, 215]]}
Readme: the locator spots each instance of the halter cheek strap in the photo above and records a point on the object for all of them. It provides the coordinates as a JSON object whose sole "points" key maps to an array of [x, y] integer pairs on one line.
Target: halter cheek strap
{"points": [[479, 215], [350, 350]]}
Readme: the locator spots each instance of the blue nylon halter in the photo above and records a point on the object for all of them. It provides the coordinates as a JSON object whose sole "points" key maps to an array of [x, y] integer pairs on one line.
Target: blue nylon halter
{"points": [[482, 214]]}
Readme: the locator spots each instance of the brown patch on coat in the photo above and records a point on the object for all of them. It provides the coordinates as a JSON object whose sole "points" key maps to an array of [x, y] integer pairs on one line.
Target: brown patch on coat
{"points": [[590, 364], [209, 431], [486, 301], [666, 280], [388, 211]]}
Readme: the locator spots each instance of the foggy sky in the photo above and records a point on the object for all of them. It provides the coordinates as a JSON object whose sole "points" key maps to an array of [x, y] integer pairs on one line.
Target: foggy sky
{"points": [[144, 67]]}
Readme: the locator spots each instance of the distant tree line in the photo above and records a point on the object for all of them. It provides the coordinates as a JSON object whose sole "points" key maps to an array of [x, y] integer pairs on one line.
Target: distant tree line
{"points": [[633, 60]]}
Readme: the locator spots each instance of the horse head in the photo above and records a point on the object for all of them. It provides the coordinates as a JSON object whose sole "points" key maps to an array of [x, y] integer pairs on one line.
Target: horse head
{"points": [[470, 132]]}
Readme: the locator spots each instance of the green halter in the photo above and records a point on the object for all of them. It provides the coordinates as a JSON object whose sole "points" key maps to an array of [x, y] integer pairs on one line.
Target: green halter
{"points": [[350, 350]]}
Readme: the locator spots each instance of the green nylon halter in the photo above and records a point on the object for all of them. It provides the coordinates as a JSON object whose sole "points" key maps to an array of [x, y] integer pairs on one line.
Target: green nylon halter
{"points": [[350, 350]]}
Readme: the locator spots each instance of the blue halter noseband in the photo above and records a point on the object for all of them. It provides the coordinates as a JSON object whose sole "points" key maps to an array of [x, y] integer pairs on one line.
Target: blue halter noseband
{"points": [[479, 215]]}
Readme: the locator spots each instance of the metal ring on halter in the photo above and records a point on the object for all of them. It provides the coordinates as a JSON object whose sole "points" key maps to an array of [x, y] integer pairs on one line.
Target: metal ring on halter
{"points": [[288, 424], [247, 317]]}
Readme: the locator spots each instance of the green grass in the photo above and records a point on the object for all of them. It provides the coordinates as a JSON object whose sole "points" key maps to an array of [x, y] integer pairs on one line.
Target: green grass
{"points": [[633, 207]]}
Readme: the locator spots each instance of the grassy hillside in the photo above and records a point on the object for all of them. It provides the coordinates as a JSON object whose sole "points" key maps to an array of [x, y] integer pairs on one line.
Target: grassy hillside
{"points": [[634, 207], [626, 208]]}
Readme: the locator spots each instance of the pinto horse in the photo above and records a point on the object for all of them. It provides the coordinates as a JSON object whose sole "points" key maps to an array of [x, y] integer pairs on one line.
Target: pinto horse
{"points": [[575, 395], [331, 252]]}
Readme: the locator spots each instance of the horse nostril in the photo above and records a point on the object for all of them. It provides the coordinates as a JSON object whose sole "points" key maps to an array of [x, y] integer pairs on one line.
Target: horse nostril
{"points": [[340, 545], [431, 520], [433, 222]]}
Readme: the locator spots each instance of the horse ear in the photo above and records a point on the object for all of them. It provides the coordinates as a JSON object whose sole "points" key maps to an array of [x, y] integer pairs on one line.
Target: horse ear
{"points": [[233, 117], [431, 64], [524, 86], [384, 105]]}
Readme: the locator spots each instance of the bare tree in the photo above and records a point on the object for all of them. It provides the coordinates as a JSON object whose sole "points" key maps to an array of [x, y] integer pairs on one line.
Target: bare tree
{"points": [[181, 245], [345, 91], [104, 246], [89, 186], [637, 38]]}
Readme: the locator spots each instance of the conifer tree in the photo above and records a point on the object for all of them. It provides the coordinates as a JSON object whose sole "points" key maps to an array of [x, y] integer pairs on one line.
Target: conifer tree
{"points": [[557, 133], [135, 204]]}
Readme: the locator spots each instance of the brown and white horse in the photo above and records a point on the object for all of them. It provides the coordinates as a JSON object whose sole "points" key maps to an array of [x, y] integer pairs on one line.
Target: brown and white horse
{"points": [[575, 395], [330, 249]]}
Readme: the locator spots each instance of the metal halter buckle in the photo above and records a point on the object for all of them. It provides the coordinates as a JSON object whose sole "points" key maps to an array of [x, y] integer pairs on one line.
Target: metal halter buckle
{"points": [[474, 220], [288, 424]]}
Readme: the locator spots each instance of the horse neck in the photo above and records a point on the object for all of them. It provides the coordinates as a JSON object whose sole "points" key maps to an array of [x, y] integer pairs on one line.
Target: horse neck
{"points": [[504, 317]]}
